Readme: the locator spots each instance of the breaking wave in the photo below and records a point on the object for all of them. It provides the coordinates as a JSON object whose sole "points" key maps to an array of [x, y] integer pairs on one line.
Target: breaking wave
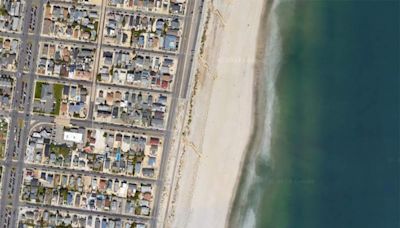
{"points": [[251, 189]]}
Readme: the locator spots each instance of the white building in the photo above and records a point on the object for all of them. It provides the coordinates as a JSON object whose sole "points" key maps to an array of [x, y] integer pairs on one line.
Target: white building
{"points": [[73, 137]]}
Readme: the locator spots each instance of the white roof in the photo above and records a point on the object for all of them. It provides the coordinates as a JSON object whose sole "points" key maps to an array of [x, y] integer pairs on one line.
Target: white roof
{"points": [[123, 190], [73, 137]]}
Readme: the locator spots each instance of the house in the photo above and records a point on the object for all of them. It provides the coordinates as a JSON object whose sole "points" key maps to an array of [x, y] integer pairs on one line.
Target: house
{"points": [[157, 122], [70, 198], [76, 107], [147, 196], [154, 141], [145, 188], [170, 42], [144, 203], [141, 41], [47, 92], [138, 167], [108, 57], [144, 210], [162, 99], [175, 25], [148, 172], [104, 109], [176, 7], [152, 161], [160, 25], [102, 185]]}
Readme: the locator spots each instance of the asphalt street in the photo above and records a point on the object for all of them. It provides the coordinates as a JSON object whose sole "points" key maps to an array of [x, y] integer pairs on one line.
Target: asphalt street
{"points": [[21, 144], [9, 176], [189, 40]]}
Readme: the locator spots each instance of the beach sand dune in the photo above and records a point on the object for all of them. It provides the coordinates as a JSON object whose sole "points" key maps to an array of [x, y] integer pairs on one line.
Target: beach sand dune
{"points": [[221, 119]]}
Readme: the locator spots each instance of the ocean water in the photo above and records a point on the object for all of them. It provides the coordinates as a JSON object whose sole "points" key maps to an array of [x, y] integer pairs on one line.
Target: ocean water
{"points": [[325, 150]]}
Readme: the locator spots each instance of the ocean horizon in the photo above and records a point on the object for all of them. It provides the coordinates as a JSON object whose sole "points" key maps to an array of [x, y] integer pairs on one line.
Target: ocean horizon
{"points": [[325, 146]]}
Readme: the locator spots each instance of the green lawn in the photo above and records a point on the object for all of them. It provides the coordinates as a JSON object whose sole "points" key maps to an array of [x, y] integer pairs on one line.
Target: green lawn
{"points": [[38, 89], [64, 193], [137, 33], [57, 88], [96, 25], [3, 11], [3, 136], [2, 148], [60, 149]]}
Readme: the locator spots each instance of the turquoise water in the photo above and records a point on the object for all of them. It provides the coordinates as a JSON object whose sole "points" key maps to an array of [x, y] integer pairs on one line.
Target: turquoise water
{"points": [[334, 154]]}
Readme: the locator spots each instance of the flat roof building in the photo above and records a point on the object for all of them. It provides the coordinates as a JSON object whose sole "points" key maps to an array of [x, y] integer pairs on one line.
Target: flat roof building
{"points": [[73, 137]]}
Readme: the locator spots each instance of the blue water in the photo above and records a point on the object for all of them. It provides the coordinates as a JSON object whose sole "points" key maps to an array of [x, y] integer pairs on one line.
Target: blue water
{"points": [[334, 154]]}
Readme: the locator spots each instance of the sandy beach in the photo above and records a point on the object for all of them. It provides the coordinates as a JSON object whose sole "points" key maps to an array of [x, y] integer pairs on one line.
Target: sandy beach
{"points": [[219, 122]]}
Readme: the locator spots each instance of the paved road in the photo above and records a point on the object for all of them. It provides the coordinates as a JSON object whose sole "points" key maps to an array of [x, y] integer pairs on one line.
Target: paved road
{"points": [[101, 125], [142, 219], [51, 39], [133, 87], [163, 53], [138, 12], [79, 3], [97, 59], [27, 111], [194, 42], [8, 188], [91, 173], [53, 79], [189, 39], [85, 172]]}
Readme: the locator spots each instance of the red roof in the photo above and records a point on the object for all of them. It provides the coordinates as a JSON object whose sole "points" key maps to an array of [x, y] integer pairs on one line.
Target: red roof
{"points": [[154, 141], [88, 149], [147, 196], [164, 84], [102, 184]]}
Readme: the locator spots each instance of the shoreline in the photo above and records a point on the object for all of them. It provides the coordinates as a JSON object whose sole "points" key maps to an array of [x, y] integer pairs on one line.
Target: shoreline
{"points": [[258, 109], [307, 170], [263, 115], [223, 114]]}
